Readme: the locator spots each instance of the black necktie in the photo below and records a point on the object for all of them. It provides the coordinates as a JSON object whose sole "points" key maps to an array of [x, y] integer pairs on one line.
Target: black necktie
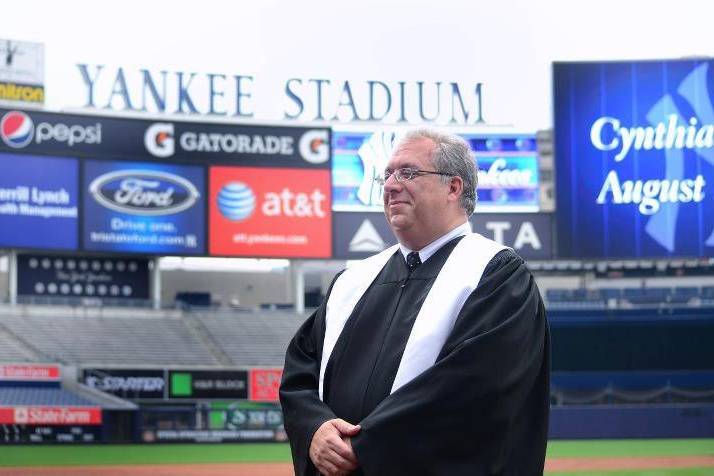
{"points": [[413, 261]]}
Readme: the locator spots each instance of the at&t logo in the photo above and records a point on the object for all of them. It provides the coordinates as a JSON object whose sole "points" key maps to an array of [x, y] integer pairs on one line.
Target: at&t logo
{"points": [[16, 129], [236, 201]]}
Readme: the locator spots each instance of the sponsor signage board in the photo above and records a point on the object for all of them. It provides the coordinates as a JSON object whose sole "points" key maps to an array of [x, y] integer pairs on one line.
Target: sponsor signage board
{"points": [[358, 235], [211, 436], [256, 146], [22, 72], [82, 276], [143, 207], [41, 434], [529, 234], [508, 178], [634, 156], [45, 415], [264, 384], [127, 383], [38, 202], [194, 384], [269, 212], [226, 421], [29, 373], [119, 138], [245, 415]]}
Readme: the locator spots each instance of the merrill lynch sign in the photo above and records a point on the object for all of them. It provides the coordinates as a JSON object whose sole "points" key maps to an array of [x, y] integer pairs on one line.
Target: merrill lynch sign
{"points": [[303, 99]]}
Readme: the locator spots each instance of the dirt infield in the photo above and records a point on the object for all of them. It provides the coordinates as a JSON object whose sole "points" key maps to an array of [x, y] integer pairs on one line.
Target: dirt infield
{"points": [[283, 469], [611, 464], [208, 469]]}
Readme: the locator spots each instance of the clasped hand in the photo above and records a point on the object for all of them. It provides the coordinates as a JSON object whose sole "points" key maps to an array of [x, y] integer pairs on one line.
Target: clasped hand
{"points": [[331, 448]]}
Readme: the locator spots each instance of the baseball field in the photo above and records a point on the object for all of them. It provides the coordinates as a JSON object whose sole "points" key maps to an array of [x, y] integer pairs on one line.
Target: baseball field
{"points": [[684, 457]]}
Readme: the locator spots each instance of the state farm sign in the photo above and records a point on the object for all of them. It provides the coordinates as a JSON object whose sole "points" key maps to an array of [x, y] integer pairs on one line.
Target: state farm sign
{"points": [[50, 415], [34, 373]]}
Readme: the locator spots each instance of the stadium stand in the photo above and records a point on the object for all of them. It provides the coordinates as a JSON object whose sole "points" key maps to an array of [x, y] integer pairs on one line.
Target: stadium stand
{"points": [[251, 338], [642, 297], [11, 350], [52, 397], [143, 337]]}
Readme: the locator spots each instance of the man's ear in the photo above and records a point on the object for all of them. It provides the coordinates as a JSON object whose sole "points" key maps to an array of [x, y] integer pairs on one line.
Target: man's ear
{"points": [[456, 188]]}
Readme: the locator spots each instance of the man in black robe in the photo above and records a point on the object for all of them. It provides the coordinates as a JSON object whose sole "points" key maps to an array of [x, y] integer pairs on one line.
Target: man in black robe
{"points": [[481, 405]]}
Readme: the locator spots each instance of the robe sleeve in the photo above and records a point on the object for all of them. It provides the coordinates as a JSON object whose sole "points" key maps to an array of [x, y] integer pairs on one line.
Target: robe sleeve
{"points": [[303, 411], [483, 407]]}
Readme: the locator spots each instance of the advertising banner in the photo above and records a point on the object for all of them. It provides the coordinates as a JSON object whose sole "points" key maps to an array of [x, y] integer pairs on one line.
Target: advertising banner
{"points": [[507, 178], [82, 276], [226, 421], [22, 72], [267, 212], [127, 383], [634, 155], [211, 436], [251, 146], [529, 234], [359, 235], [136, 139], [40, 415], [245, 416], [42, 434], [231, 384], [38, 202], [29, 373], [264, 384], [37, 132], [143, 208]]}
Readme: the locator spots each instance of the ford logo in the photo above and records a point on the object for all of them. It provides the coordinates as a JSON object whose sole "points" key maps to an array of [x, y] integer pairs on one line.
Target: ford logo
{"points": [[143, 192]]}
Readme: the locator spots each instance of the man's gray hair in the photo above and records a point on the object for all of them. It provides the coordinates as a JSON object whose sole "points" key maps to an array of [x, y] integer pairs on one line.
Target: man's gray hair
{"points": [[453, 156]]}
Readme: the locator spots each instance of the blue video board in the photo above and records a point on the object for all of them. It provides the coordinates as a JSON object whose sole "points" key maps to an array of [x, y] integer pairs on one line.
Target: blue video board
{"points": [[144, 208], [508, 170], [38, 202], [634, 150]]}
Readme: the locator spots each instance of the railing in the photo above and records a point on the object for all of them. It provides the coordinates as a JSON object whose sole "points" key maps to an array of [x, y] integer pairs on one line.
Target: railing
{"points": [[84, 301]]}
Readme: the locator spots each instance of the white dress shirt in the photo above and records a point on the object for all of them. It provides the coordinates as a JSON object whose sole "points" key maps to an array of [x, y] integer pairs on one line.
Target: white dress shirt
{"points": [[426, 252]]}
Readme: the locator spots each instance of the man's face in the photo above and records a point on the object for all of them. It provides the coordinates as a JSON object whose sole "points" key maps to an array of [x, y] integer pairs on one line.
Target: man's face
{"points": [[415, 208]]}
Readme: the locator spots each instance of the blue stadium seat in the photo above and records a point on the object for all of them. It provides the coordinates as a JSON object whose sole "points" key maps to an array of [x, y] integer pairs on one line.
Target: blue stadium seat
{"points": [[707, 292], [610, 293], [52, 397]]}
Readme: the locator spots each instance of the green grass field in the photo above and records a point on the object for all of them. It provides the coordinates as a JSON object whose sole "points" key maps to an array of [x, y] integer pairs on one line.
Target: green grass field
{"points": [[240, 453]]}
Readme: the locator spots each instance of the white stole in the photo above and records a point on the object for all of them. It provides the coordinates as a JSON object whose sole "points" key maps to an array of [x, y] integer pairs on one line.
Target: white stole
{"points": [[457, 279]]}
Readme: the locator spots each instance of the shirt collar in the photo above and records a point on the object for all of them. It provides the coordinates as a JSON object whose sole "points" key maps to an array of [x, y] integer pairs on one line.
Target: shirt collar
{"points": [[426, 252]]}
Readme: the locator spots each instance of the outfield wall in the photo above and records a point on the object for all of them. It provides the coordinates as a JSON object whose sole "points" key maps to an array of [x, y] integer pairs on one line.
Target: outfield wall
{"points": [[632, 421]]}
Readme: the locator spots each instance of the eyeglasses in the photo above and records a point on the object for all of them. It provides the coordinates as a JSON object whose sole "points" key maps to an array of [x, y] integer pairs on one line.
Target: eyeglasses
{"points": [[406, 174]]}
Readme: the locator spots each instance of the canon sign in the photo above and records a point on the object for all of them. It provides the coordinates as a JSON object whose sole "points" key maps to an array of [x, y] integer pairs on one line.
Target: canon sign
{"points": [[17, 130]]}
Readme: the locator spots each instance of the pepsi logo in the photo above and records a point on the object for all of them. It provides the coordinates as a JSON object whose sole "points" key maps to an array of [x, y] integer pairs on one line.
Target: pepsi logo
{"points": [[16, 129]]}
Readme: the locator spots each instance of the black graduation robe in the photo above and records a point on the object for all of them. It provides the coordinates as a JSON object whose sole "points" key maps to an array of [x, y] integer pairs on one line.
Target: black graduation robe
{"points": [[481, 409]]}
